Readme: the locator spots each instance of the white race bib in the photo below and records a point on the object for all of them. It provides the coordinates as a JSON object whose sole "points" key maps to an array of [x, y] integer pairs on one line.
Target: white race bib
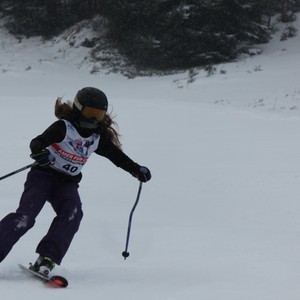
{"points": [[70, 155]]}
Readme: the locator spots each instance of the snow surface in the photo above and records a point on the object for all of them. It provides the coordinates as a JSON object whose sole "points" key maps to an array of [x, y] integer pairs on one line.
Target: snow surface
{"points": [[220, 220]]}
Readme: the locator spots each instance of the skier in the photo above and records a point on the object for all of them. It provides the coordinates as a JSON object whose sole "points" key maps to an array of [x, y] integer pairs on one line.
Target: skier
{"points": [[60, 152]]}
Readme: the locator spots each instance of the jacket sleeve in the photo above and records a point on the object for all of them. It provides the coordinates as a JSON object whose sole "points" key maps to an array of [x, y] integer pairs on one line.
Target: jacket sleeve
{"points": [[109, 150], [55, 133]]}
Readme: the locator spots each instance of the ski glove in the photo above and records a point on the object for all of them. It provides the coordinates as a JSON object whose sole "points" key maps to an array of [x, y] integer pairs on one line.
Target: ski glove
{"points": [[42, 158], [142, 174]]}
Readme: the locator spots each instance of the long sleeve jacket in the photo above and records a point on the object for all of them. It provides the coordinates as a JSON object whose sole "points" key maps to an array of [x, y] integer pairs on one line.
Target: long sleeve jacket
{"points": [[56, 132]]}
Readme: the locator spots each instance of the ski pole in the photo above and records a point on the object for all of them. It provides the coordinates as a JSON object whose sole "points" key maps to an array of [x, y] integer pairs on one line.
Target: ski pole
{"points": [[125, 253], [17, 171]]}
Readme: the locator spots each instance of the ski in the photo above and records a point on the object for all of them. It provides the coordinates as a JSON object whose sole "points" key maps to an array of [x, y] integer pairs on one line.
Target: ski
{"points": [[54, 281]]}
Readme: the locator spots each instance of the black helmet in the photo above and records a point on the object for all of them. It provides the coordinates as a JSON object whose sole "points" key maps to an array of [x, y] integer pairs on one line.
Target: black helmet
{"points": [[92, 97]]}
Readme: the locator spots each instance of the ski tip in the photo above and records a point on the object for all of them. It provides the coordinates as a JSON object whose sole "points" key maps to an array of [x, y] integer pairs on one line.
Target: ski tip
{"points": [[59, 281]]}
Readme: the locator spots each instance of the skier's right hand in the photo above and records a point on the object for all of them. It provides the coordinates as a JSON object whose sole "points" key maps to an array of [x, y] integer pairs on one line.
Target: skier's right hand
{"points": [[143, 174], [42, 158]]}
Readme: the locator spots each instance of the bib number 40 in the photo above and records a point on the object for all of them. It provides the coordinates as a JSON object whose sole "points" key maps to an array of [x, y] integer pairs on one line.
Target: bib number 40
{"points": [[70, 168]]}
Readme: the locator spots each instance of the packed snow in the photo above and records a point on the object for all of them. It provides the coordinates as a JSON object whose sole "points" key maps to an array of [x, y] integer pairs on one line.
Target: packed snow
{"points": [[220, 219]]}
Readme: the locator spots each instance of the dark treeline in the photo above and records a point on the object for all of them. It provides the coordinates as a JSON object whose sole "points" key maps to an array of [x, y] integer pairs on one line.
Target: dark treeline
{"points": [[159, 34]]}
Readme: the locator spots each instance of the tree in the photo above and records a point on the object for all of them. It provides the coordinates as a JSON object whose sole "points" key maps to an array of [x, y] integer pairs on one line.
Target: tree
{"points": [[46, 17], [168, 34], [159, 34]]}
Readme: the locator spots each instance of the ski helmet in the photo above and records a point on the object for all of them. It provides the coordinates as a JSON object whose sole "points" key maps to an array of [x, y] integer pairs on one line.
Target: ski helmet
{"points": [[89, 107], [91, 97]]}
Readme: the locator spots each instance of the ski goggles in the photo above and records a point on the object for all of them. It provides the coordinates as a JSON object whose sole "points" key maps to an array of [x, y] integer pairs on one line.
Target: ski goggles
{"points": [[93, 113]]}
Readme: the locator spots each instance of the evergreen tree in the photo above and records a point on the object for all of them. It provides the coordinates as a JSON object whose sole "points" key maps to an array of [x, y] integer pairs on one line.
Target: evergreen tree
{"points": [[159, 34], [164, 34], [46, 17]]}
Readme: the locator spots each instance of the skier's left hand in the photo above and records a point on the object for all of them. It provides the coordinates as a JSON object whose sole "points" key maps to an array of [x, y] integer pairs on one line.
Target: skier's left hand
{"points": [[143, 174]]}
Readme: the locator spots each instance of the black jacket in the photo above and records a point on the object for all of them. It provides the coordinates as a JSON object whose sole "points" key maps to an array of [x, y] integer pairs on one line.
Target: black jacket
{"points": [[56, 132]]}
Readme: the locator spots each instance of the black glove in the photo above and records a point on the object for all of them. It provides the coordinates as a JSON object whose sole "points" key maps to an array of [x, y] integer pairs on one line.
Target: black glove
{"points": [[142, 174], [42, 158]]}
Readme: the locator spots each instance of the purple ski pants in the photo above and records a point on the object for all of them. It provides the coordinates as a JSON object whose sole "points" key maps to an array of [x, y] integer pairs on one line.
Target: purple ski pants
{"points": [[62, 194]]}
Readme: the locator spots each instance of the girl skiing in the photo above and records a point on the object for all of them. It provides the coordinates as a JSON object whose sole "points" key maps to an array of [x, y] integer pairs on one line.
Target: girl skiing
{"points": [[60, 152]]}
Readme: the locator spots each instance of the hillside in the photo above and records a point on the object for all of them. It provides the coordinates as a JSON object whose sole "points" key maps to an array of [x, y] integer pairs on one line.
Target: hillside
{"points": [[219, 219]]}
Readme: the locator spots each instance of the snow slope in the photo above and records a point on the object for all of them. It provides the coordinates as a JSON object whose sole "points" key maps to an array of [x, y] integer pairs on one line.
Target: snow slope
{"points": [[219, 219]]}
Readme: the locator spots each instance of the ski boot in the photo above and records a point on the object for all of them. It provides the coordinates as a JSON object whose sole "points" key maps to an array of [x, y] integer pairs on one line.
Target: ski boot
{"points": [[43, 265]]}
